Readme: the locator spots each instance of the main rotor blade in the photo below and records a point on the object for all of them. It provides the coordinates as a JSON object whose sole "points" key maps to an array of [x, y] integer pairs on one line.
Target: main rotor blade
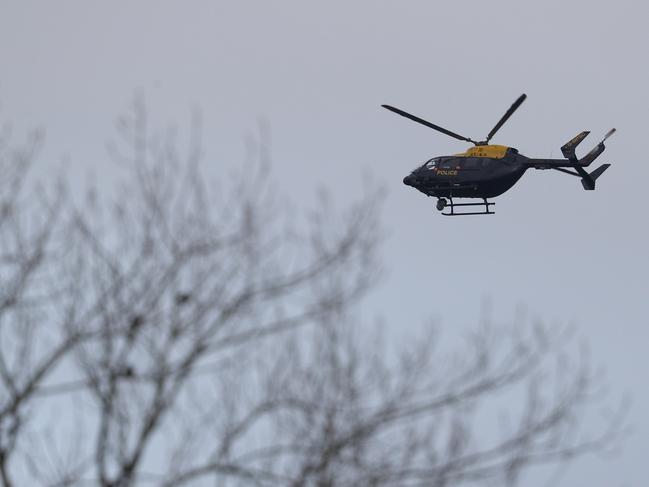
{"points": [[507, 114], [427, 124]]}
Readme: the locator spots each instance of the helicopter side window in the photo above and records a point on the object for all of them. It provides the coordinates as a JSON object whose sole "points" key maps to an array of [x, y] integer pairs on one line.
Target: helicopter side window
{"points": [[431, 164], [445, 164]]}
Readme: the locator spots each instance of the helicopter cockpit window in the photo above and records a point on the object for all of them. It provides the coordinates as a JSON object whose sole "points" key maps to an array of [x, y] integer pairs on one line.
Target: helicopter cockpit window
{"points": [[432, 163]]}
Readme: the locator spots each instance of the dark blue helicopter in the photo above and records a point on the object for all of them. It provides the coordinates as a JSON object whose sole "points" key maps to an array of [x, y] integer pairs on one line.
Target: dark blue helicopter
{"points": [[488, 170]]}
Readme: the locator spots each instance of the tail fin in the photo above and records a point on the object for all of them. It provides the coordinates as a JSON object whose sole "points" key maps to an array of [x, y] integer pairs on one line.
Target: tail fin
{"points": [[588, 179], [596, 151], [568, 149]]}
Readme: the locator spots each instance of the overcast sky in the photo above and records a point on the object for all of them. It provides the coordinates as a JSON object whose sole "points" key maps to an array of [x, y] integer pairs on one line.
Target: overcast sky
{"points": [[318, 72]]}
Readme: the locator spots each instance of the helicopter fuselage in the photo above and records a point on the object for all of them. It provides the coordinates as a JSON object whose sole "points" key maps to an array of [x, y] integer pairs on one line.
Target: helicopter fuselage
{"points": [[488, 170], [484, 171]]}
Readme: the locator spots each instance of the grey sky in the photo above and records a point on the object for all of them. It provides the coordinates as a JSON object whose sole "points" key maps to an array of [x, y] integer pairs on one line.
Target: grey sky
{"points": [[318, 71]]}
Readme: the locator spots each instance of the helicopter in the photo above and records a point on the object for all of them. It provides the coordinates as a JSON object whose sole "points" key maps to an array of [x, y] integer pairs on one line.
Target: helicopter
{"points": [[488, 170]]}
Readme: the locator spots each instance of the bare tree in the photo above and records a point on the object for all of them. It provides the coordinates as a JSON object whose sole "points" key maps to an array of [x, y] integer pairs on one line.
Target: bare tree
{"points": [[182, 331]]}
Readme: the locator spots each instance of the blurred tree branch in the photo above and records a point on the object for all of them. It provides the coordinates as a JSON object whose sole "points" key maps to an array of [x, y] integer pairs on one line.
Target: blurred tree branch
{"points": [[193, 331]]}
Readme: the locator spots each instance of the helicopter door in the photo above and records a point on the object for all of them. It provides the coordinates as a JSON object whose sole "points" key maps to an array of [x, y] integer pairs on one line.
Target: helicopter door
{"points": [[472, 164]]}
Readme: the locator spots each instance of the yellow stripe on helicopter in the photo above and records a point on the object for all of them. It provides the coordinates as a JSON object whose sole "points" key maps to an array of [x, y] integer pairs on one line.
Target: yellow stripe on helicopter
{"points": [[491, 151]]}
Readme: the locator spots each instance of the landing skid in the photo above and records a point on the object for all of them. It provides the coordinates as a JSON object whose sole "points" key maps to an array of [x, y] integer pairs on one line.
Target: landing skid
{"points": [[442, 204]]}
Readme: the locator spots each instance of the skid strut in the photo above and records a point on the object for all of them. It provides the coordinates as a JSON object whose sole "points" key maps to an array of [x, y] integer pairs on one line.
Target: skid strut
{"points": [[442, 204]]}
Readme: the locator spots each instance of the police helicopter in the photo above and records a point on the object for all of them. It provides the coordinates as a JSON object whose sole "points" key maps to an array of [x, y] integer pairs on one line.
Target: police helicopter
{"points": [[487, 170]]}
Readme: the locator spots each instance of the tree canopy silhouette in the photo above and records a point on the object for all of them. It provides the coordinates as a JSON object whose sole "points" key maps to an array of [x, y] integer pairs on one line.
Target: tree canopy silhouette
{"points": [[178, 330]]}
